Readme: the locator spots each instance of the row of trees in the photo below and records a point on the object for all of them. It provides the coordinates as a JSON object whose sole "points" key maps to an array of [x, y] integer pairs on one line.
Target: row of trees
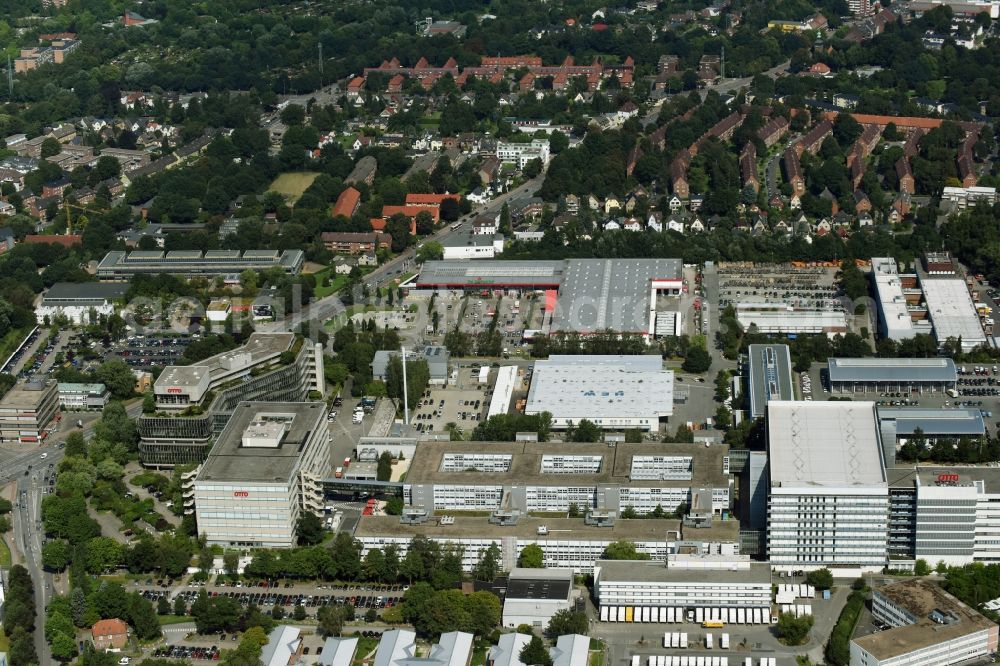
{"points": [[19, 617]]}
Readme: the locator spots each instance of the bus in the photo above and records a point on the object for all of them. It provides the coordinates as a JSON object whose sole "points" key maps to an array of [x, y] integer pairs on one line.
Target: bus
{"points": [[713, 624], [455, 225]]}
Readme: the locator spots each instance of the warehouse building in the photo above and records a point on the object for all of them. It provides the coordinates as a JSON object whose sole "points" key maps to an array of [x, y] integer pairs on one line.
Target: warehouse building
{"points": [[545, 477], [534, 595], [894, 320], [194, 402], [26, 411], [83, 396], [507, 651], [614, 392], [952, 312], [615, 294], [769, 376], [79, 301], [899, 424], [117, 265], [262, 473], [949, 514], [828, 499], [398, 647], [879, 375], [500, 274], [929, 628], [781, 319], [636, 585]]}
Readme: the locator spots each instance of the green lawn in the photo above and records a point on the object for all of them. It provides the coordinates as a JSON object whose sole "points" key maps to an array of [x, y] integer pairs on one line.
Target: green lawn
{"points": [[293, 184], [174, 619], [4, 641], [596, 659], [4, 558], [336, 284]]}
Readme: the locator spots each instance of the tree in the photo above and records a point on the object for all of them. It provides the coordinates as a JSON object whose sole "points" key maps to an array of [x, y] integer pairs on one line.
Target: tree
{"points": [[118, 377], [531, 557], [330, 620], [623, 550], [489, 564], [430, 251], [532, 167], [180, 606], [418, 376], [698, 360], [535, 654], [298, 612], [55, 555], [50, 147], [76, 445], [565, 622], [921, 568], [793, 630], [309, 530], [821, 579], [231, 562], [558, 142], [383, 469], [584, 431]]}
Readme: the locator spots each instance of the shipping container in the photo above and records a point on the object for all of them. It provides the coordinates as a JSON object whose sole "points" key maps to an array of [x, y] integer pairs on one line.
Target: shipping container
{"points": [[741, 616], [708, 641], [651, 660], [629, 613], [635, 660], [700, 615], [701, 661], [604, 613], [724, 641], [646, 614], [684, 640], [621, 613]]}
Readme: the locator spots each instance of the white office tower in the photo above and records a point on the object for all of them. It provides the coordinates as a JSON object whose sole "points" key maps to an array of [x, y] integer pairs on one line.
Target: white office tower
{"points": [[828, 500]]}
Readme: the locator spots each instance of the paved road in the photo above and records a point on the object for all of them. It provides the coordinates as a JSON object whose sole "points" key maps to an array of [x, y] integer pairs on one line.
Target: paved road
{"points": [[27, 470]]}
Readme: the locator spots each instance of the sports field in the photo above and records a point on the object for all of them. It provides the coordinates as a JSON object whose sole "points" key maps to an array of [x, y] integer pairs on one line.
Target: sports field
{"points": [[292, 185]]}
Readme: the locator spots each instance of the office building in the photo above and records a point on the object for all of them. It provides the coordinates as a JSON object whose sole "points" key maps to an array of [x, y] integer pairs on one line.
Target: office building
{"points": [[398, 647], [929, 627], [894, 320], [737, 584], [471, 246], [194, 402], [338, 651], [944, 514], [879, 375], [570, 650], [769, 376], [535, 595], [546, 477], [614, 392], [507, 651], [522, 153], [952, 312], [262, 473], [969, 197], [83, 396], [79, 302], [566, 543], [436, 357], [26, 411], [117, 265], [828, 498]]}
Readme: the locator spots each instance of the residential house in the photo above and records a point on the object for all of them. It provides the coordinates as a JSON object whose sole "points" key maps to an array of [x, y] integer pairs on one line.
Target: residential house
{"points": [[793, 171], [772, 132], [813, 139], [748, 166], [611, 204], [905, 176], [486, 225], [347, 203], [572, 203], [655, 221], [678, 175], [354, 242], [111, 634], [861, 202], [697, 226], [364, 171]]}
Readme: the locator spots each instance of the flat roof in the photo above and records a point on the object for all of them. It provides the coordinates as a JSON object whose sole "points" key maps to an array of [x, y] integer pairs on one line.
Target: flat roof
{"points": [[956, 422], [904, 370], [951, 311], [26, 394], [889, 290], [824, 444], [904, 476], [84, 291], [770, 376], [801, 321], [259, 346], [541, 584], [560, 530], [230, 461], [920, 598], [489, 274], [526, 463], [602, 387], [599, 294], [656, 572]]}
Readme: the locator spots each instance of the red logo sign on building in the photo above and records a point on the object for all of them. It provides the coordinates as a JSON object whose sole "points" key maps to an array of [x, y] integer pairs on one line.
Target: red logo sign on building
{"points": [[241, 493]]}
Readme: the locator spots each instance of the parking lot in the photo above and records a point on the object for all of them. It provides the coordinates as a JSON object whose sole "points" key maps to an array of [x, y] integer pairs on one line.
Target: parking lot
{"points": [[800, 287], [147, 350], [464, 403]]}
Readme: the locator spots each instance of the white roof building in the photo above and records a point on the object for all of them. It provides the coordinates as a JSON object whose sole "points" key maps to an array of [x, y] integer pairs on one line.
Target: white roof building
{"points": [[282, 644], [894, 317], [615, 392], [952, 312]]}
